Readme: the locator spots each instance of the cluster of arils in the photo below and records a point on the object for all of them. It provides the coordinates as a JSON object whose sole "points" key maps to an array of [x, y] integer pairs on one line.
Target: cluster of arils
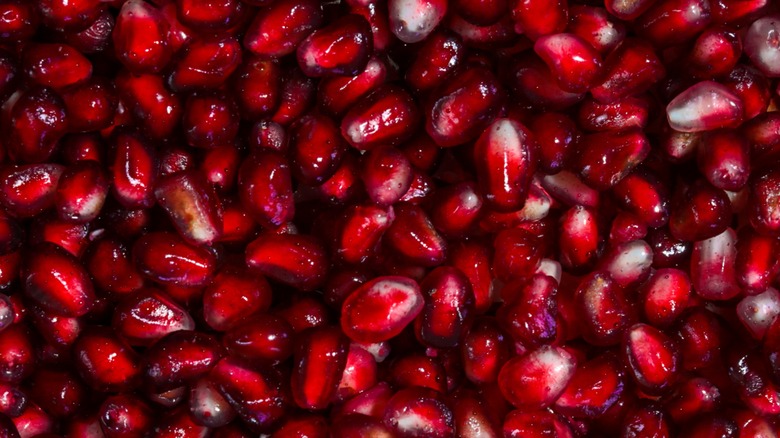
{"points": [[389, 218]]}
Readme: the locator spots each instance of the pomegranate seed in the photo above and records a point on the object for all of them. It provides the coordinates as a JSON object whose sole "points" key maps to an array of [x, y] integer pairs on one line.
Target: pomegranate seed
{"points": [[449, 303], [316, 147], [54, 279], [33, 421], [668, 22], [646, 419], [340, 48], [179, 423], [140, 37], [653, 358], [666, 295], [388, 115], [755, 264], [505, 155], [578, 238], [21, 20], [380, 309], [419, 411], [255, 396], [96, 37], [627, 10], [193, 206], [167, 259], [583, 66], [125, 415], [537, 18], [147, 315], [763, 209], [530, 314], [200, 14], [208, 407], [605, 312], [320, 360], [205, 63], [517, 254], [68, 14], [278, 29], [704, 106], [438, 57], [701, 212], [296, 260], [263, 337], [607, 157], [531, 80], [36, 123], [18, 358], [209, 120], [463, 107], [361, 232], [265, 188], [179, 358], [413, 237], [55, 65], [713, 267], [757, 312], [413, 21], [630, 69], [151, 103], [337, 94], [759, 47], [297, 95], [535, 424], [104, 361], [538, 378]]}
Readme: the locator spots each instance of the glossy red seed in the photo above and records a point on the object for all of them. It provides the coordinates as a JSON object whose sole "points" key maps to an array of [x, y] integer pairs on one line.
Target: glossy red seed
{"points": [[209, 120], [265, 188], [166, 258], [413, 237], [758, 312], [296, 260], [320, 359], [81, 192], [340, 48], [207, 406], [96, 37], [704, 106], [713, 267], [763, 207], [437, 58], [594, 388], [630, 69], [517, 254], [413, 21], [37, 122], [540, 17], [505, 155], [573, 61], [66, 14], [670, 22], [536, 379], [417, 370], [55, 65], [700, 212], [104, 361], [54, 279], [666, 296], [380, 309], [254, 394], [147, 315], [653, 358], [233, 295], [33, 421], [263, 337], [388, 115], [316, 148], [535, 423], [418, 412], [337, 94], [607, 157], [530, 313], [449, 303], [200, 14], [151, 103], [387, 175], [18, 358], [30, 189], [125, 415], [755, 264], [604, 311], [463, 106], [277, 30], [361, 232], [646, 420], [193, 206], [90, 106], [179, 358], [21, 20], [205, 63]]}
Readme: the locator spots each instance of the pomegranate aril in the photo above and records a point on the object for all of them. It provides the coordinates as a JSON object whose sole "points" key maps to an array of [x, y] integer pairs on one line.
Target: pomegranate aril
{"points": [[166, 258], [37, 121], [205, 64], [96, 37], [456, 209], [140, 37], [578, 238], [652, 357], [758, 312], [17, 358], [535, 423], [670, 22], [529, 313], [532, 81], [149, 314], [505, 158], [605, 312], [256, 395], [630, 69], [90, 106], [200, 14], [179, 358], [462, 107], [763, 207], [573, 61], [381, 308], [413, 237], [54, 279], [627, 10], [556, 134], [278, 29], [755, 264], [596, 26], [647, 419], [340, 48], [537, 18], [419, 412], [261, 338], [207, 406], [316, 148], [414, 20], [607, 157], [293, 259], [705, 106], [265, 188], [337, 94], [125, 415], [361, 231], [104, 361], [193, 206], [33, 421], [20, 22], [64, 14], [209, 120], [760, 46], [388, 115], [55, 65], [449, 303], [538, 378], [150, 102], [713, 273], [320, 359]]}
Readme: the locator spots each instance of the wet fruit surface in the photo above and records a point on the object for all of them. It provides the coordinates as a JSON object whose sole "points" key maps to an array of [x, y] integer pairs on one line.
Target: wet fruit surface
{"points": [[389, 218]]}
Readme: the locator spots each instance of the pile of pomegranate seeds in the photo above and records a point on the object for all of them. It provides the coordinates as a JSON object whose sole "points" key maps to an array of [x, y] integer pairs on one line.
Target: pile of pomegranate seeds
{"points": [[390, 218]]}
